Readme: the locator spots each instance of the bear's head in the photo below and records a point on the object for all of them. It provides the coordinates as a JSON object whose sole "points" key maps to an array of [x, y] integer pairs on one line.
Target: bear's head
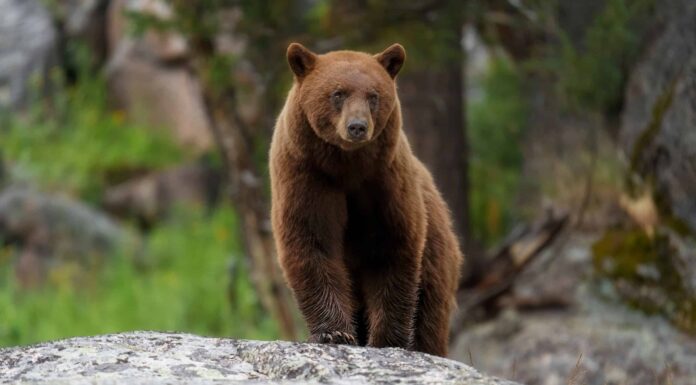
{"points": [[347, 96]]}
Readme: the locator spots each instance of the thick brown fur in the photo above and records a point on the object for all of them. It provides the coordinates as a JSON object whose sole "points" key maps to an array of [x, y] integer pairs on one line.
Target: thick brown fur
{"points": [[364, 237]]}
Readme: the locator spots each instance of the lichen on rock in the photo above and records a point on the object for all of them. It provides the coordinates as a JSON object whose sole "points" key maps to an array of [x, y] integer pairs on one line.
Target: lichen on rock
{"points": [[163, 358]]}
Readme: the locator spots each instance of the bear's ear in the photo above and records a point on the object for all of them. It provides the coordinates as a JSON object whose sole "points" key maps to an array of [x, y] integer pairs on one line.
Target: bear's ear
{"points": [[392, 59], [301, 59]]}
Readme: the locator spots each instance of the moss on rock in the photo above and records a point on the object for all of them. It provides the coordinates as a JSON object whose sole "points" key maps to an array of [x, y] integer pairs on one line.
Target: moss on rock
{"points": [[647, 273]]}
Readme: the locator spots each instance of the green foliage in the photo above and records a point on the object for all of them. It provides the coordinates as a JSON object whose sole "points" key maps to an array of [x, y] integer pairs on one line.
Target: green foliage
{"points": [[77, 144], [496, 125], [594, 76], [190, 275], [183, 283], [430, 31], [217, 73]]}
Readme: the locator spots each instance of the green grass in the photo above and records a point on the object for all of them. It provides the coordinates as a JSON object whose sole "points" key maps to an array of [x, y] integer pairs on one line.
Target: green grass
{"points": [[73, 142], [182, 282], [188, 274]]}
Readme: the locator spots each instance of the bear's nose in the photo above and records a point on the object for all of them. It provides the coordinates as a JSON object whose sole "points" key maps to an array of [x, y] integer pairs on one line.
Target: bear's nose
{"points": [[357, 129]]}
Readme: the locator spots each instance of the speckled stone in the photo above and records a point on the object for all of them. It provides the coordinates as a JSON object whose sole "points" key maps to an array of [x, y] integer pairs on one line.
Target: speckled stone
{"points": [[165, 358], [27, 50]]}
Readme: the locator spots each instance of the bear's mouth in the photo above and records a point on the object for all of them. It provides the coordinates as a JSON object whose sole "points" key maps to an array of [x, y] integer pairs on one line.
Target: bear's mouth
{"points": [[352, 145]]}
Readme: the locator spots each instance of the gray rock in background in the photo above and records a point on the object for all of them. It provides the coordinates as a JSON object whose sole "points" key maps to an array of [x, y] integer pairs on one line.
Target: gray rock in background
{"points": [[159, 358], [608, 343], [159, 96], [148, 78], [593, 341], [150, 198], [26, 213], [52, 231], [658, 132], [27, 50]]}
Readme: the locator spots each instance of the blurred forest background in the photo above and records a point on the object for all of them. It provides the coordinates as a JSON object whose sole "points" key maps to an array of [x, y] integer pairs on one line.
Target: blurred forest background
{"points": [[134, 190]]}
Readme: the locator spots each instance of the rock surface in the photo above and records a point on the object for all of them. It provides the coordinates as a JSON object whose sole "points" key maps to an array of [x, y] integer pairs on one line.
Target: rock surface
{"points": [[658, 133], [54, 232], [658, 130], [149, 79], [167, 97], [27, 50], [164, 46], [597, 340], [152, 197], [159, 358], [607, 344]]}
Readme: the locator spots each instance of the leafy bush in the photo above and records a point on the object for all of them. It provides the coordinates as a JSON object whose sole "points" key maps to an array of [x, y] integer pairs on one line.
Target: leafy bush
{"points": [[75, 143], [496, 125], [191, 278]]}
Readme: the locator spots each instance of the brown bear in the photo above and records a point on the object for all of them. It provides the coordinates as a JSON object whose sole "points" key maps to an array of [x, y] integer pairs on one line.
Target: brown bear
{"points": [[364, 237]]}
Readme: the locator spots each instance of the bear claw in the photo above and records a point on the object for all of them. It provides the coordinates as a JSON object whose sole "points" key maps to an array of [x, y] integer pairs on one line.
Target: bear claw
{"points": [[335, 337]]}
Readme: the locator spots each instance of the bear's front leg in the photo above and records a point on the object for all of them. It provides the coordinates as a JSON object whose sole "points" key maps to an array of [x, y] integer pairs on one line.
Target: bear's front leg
{"points": [[392, 278], [391, 308], [308, 225]]}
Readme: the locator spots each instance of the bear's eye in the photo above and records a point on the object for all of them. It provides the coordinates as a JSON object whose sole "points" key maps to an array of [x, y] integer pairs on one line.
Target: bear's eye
{"points": [[337, 98], [373, 100]]}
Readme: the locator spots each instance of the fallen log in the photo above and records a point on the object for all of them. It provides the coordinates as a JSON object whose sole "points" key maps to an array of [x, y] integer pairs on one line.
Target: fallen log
{"points": [[479, 298]]}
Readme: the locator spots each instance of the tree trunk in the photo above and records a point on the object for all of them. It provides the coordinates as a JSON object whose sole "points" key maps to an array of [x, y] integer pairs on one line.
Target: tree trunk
{"points": [[252, 209], [433, 106], [236, 142]]}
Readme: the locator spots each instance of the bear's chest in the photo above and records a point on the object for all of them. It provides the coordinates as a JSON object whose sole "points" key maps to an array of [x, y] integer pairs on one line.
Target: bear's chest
{"points": [[365, 224], [349, 171]]}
